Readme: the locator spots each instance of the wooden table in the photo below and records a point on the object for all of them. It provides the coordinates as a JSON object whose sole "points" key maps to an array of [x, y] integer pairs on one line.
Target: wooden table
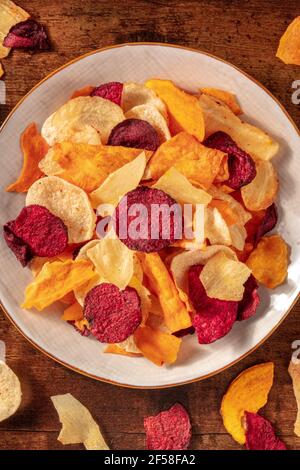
{"points": [[244, 33]]}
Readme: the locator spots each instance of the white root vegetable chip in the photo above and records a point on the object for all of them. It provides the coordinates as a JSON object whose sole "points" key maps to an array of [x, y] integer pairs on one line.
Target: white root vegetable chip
{"points": [[237, 208], [78, 425], [151, 114], [294, 371], [10, 15], [262, 191], [10, 392], [136, 94], [215, 228]]}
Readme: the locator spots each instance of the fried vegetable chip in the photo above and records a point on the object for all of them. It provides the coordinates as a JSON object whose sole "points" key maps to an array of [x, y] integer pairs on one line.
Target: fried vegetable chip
{"points": [[289, 46], [11, 15], [110, 91], [1, 70], [160, 348], [237, 210], [262, 191], [248, 305], [78, 425], [267, 223], [294, 371], [137, 94], [215, 228], [20, 249], [150, 113], [28, 34], [269, 261], [226, 97], [116, 349], [248, 392], [34, 149], [73, 313], [260, 434], [10, 390], [85, 91], [134, 133]]}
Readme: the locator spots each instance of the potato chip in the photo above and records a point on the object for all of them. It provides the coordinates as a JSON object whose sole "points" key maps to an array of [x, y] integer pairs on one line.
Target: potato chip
{"points": [[269, 261], [11, 15], [78, 425], [10, 390], [85, 91], [34, 149], [86, 119], [184, 109], [199, 164], [73, 313], [223, 278], [215, 228], [289, 46], [238, 213], [151, 114], [248, 392], [137, 94], [294, 371], [249, 138], [225, 96], [175, 313], [54, 281], [66, 201], [160, 348], [262, 191], [116, 349]]}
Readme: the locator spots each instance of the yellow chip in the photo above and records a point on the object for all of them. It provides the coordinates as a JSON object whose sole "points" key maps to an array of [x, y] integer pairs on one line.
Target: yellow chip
{"points": [[294, 371], [137, 94], [10, 15], [78, 425], [215, 228], [263, 189], [10, 390], [226, 97], [289, 46], [238, 235], [150, 113]]}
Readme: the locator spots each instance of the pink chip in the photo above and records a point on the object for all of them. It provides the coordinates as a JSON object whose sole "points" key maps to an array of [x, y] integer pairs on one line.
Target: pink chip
{"points": [[110, 91], [248, 305], [260, 434]]}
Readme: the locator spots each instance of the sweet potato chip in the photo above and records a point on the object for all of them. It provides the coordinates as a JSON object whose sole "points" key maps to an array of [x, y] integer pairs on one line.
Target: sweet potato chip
{"points": [[85, 91], [78, 425], [289, 46], [223, 278], [262, 191], [294, 371], [199, 164], [34, 149], [160, 348], [73, 313], [269, 261], [225, 96], [151, 114], [115, 349], [54, 281], [228, 213], [137, 94], [11, 15], [1, 70], [216, 229], [10, 390], [68, 299], [248, 392], [237, 210], [38, 262]]}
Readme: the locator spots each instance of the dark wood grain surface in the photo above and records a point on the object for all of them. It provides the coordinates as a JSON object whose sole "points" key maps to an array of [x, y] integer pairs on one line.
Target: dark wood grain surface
{"points": [[244, 33]]}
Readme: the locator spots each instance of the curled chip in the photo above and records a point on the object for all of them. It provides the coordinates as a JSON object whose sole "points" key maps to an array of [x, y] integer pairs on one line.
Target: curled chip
{"points": [[73, 313], [169, 430], [68, 202], [11, 14], [289, 46], [248, 392], [28, 34], [262, 191], [110, 91], [78, 425], [225, 96], [260, 434], [151, 114], [216, 229], [34, 149], [294, 371], [20, 249], [10, 392], [269, 261], [116, 349], [137, 94], [148, 219], [235, 207], [248, 305], [157, 346], [113, 314], [134, 133], [184, 109], [267, 223], [241, 166], [85, 91]]}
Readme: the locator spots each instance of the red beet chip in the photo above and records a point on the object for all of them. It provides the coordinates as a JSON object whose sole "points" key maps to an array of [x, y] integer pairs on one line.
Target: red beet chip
{"points": [[260, 434], [169, 430], [214, 318], [44, 233], [134, 133], [248, 305], [113, 314], [28, 34], [148, 230], [110, 91], [240, 165], [20, 249], [267, 224]]}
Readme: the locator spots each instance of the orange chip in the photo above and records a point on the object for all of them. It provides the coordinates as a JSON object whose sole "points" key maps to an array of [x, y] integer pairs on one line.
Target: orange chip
{"points": [[225, 96], [289, 47], [294, 371], [73, 313], [34, 148], [38, 262], [201, 165], [157, 346], [115, 349], [68, 299], [269, 261], [85, 91], [227, 212]]}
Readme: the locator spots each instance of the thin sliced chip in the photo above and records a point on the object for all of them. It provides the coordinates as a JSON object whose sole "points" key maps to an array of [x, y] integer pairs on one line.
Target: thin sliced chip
{"points": [[150, 113], [228, 213], [248, 392], [81, 292], [136, 94], [10, 15], [216, 229], [10, 390], [294, 371], [34, 149], [260, 434], [54, 281], [1, 70], [289, 46], [66, 201], [160, 348], [116, 349], [251, 139], [238, 235], [144, 295], [78, 425], [236, 208], [85, 91], [226, 97], [262, 191], [73, 313], [68, 299], [269, 261], [38, 262]]}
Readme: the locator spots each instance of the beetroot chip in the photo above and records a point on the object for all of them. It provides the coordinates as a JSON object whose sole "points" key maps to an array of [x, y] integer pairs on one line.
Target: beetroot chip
{"points": [[260, 434], [169, 430], [267, 224], [110, 91], [28, 34], [240, 165], [154, 219], [213, 318], [248, 305], [134, 133], [20, 249], [113, 314]]}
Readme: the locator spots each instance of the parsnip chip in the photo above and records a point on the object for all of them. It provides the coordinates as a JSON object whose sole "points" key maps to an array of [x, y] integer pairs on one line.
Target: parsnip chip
{"points": [[225, 96], [66, 201], [78, 425], [262, 191], [199, 164], [289, 46], [248, 392], [81, 291], [184, 109], [55, 280], [129, 347], [294, 371], [10, 390], [157, 346], [238, 235], [86, 119], [137, 94], [269, 261], [216, 229], [73, 313], [238, 211], [175, 313], [116, 349], [10, 15], [223, 278], [34, 149], [150, 113], [251, 139]]}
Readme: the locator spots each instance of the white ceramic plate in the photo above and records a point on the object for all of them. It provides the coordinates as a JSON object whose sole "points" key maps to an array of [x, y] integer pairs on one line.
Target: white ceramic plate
{"points": [[190, 70]]}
